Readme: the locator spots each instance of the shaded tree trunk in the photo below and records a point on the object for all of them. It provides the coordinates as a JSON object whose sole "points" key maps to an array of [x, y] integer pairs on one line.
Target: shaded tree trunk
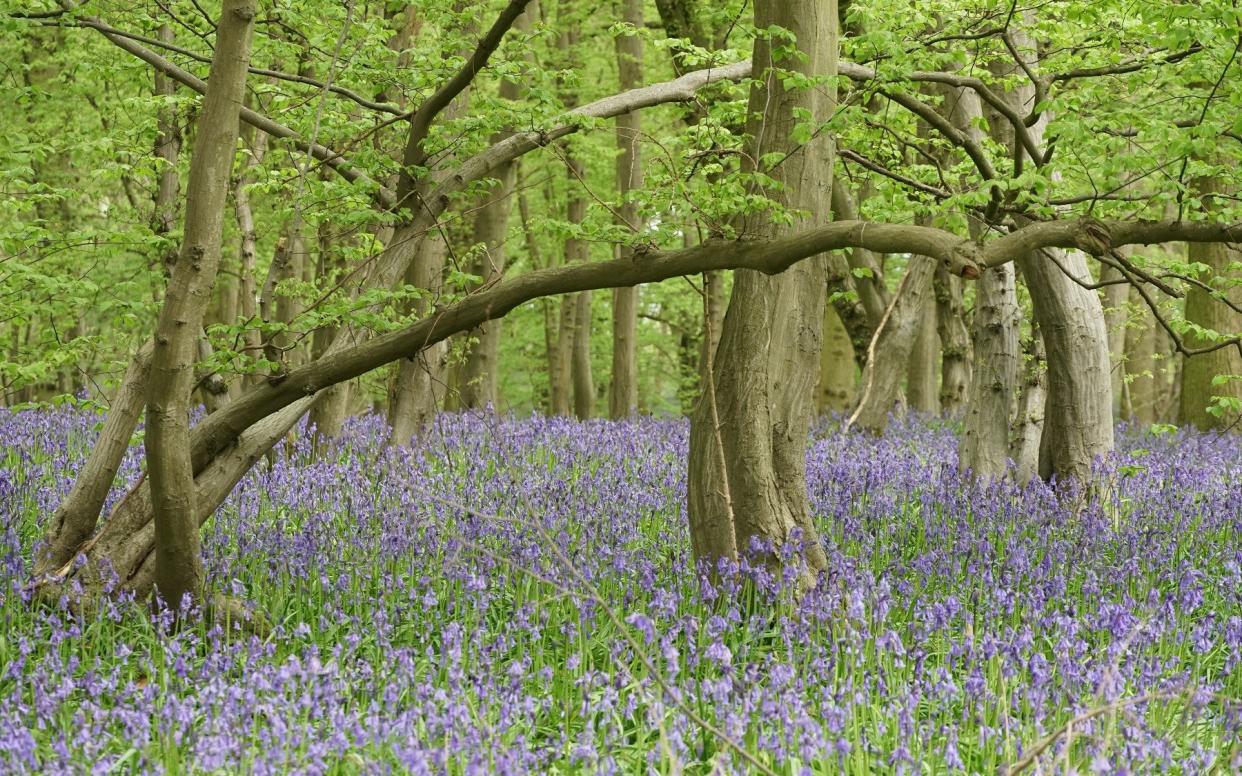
{"points": [[888, 354], [1116, 316], [418, 389], [955, 355], [1140, 360], [838, 370], [178, 562], [749, 433], [1200, 371], [984, 446], [921, 387], [580, 363], [1028, 424], [332, 408]]}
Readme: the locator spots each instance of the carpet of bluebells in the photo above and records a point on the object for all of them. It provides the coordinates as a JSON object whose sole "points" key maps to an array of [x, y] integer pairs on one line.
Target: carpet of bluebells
{"points": [[516, 596]]}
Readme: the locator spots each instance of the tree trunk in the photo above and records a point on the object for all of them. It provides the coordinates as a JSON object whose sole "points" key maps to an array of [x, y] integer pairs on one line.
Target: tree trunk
{"points": [[888, 354], [1197, 404], [623, 396], [167, 151], [491, 228], [921, 387], [955, 355], [1078, 420], [580, 363], [984, 447], [178, 563], [1028, 423], [561, 379], [838, 370], [749, 433], [1116, 316], [328, 415], [419, 387], [1140, 355]]}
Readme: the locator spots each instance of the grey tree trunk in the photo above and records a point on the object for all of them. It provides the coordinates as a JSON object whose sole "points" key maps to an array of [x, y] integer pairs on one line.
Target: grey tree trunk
{"points": [[922, 394], [178, 563], [1028, 424], [1078, 424], [749, 433], [623, 393], [955, 354], [889, 352], [419, 386], [560, 379], [984, 447], [167, 151], [1078, 418]]}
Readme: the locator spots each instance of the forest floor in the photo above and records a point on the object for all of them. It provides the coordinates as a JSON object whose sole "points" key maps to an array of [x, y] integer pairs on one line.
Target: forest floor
{"points": [[515, 596]]}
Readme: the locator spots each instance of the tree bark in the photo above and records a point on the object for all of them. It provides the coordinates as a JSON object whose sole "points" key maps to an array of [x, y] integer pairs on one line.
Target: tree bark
{"points": [[1199, 371], [491, 226], [328, 415], [167, 151], [921, 387], [984, 447], [1140, 359], [178, 564], [749, 433], [888, 354], [1028, 422], [623, 393], [955, 355], [580, 362], [419, 387], [838, 369], [1116, 316]]}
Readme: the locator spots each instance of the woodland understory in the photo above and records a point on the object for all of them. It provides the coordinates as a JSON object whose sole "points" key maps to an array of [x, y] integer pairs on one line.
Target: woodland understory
{"points": [[917, 329]]}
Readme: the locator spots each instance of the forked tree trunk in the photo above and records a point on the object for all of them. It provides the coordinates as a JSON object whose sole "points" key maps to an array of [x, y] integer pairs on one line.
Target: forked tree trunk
{"points": [[888, 354], [1078, 425], [748, 435], [178, 562], [984, 446], [623, 393], [1078, 418]]}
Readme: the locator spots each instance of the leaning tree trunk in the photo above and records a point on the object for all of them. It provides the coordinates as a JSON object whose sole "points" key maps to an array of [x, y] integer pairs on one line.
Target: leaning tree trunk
{"points": [[888, 354], [984, 446], [1201, 372], [748, 435], [1078, 416], [623, 396], [178, 562]]}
